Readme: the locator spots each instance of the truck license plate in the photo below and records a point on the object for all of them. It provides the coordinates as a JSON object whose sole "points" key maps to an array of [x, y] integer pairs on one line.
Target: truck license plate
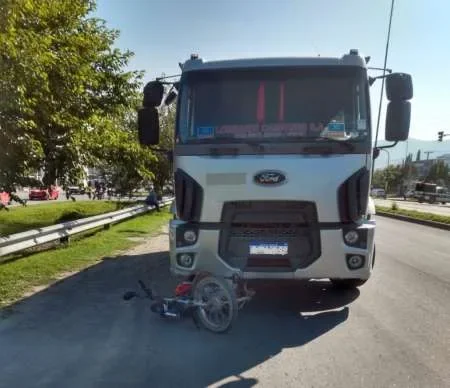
{"points": [[279, 249]]}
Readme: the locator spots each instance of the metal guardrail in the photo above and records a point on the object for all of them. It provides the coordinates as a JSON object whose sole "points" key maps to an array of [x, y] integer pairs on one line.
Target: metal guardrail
{"points": [[31, 238]]}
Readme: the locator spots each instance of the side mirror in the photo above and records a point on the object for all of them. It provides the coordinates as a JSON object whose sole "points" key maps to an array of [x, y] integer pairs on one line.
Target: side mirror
{"points": [[398, 117], [171, 97], [148, 126], [399, 87], [399, 90], [153, 94]]}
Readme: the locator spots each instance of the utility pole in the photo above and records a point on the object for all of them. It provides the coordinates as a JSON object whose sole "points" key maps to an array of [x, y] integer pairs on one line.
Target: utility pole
{"points": [[386, 51], [388, 155], [428, 153], [387, 170]]}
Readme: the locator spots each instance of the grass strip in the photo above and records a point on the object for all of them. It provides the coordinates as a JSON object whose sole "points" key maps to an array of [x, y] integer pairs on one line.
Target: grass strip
{"points": [[20, 219], [415, 214], [23, 275]]}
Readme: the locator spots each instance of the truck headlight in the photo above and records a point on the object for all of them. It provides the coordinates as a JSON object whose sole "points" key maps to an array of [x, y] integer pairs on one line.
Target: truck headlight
{"points": [[185, 260], [186, 234], [355, 261], [351, 237], [190, 236]]}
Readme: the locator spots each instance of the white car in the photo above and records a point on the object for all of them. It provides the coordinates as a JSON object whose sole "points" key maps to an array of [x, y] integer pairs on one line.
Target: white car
{"points": [[378, 193]]}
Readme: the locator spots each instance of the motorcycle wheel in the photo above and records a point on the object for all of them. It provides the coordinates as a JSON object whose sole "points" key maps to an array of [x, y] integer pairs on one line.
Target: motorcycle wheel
{"points": [[220, 305]]}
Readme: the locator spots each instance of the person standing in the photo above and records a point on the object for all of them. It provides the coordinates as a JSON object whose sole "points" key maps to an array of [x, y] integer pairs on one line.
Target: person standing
{"points": [[152, 199]]}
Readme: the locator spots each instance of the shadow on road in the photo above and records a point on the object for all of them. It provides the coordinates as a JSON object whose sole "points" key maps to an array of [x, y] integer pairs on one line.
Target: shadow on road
{"points": [[79, 332]]}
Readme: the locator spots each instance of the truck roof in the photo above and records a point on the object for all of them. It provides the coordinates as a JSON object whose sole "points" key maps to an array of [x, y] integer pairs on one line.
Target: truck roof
{"points": [[352, 59]]}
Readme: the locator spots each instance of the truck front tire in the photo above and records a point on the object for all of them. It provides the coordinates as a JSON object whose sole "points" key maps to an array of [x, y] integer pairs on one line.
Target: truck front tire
{"points": [[346, 284]]}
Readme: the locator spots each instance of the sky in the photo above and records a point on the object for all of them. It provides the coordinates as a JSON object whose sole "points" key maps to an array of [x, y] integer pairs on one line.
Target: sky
{"points": [[163, 33]]}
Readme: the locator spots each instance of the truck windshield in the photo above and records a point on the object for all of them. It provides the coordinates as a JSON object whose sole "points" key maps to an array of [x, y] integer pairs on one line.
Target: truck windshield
{"points": [[275, 105]]}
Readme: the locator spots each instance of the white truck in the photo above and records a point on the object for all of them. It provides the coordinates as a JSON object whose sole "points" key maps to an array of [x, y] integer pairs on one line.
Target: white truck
{"points": [[272, 166], [431, 193]]}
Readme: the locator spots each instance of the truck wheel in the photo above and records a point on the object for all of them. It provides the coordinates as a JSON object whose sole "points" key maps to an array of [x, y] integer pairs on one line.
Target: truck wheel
{"points": [[346, 284]]}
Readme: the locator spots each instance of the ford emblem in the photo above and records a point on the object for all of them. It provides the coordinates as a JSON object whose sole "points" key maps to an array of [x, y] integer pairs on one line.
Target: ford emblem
{"points": [[269, 178]]}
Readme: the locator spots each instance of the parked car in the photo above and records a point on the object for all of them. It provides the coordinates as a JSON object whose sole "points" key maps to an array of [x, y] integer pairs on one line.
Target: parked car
{"points": [[5, 198], [43, 193], [378, 193], [76, 190]]}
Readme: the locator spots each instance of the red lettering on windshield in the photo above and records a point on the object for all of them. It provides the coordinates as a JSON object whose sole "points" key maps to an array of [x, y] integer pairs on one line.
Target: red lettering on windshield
{"points": [[260, 105], [281, 110]]}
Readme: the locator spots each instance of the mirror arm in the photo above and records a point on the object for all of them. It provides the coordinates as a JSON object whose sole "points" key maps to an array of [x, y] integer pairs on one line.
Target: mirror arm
{"points": [[387, 146], [162, 150], [373, 79], [380, 69], [167, 77], [169, 153]]}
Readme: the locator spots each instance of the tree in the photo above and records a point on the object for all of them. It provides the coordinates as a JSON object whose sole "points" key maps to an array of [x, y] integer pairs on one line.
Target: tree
{"points": [[62, 86], [439, 173], [378, 179], [162, 168], [126, 165], [418, 156], [393, 177]]}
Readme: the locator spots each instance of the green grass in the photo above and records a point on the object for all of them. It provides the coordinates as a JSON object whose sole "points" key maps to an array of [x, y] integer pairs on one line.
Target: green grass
{"points": [[22, 275], [20, 219], [415, 214]]}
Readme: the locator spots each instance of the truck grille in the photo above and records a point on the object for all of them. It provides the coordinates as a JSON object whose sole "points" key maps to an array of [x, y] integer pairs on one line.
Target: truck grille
{"points": [[189, 196], [261, 222], [353, 196]]}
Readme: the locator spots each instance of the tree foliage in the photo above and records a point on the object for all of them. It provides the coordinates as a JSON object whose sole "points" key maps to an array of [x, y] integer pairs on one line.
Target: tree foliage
{"points": [[65, 99], [162, 168], [439, 173], [125, 165], [394, 177]]}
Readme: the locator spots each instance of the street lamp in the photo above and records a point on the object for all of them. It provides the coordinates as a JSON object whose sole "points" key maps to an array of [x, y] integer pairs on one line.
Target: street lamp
{"points": [[386, 170], [388, 155]]}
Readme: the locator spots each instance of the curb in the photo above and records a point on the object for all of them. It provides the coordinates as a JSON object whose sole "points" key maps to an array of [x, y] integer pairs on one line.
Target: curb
{"points": [[433, 224]]}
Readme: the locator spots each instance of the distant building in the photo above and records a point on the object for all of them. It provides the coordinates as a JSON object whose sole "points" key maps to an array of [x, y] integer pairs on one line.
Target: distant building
{"points": [[423, 167], [445, 158]]}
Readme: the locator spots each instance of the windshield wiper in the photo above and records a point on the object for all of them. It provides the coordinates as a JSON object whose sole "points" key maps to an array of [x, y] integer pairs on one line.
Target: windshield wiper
{"points": [[323, 139], [215, 150]]}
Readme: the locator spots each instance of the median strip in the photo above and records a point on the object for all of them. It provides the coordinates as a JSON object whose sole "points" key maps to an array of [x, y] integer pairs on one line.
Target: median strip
{"points": [[417, 217]]}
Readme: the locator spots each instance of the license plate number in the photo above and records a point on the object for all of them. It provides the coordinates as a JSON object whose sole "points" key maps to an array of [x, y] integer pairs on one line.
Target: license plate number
{"points": [[279, 249]]}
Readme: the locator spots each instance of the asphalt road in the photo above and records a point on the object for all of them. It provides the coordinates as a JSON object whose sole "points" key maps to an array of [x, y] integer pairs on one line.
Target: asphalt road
{"points": [[395, 332], [422, 207]]}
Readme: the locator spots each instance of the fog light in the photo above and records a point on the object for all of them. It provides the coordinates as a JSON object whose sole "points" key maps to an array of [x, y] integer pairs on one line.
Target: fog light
{"points": [[190, 236], [351, 237], [185, 260], [355, 261]]}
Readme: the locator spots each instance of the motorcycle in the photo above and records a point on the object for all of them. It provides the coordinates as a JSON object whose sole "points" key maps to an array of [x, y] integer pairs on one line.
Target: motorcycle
{"points": [[212, 302]]}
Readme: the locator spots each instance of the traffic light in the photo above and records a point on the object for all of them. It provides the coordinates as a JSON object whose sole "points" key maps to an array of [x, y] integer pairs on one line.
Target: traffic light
{"points": [[440, 135]]}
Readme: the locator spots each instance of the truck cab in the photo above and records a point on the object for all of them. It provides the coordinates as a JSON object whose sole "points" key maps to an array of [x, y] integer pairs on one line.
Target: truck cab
{"points": [[272, 166]]}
